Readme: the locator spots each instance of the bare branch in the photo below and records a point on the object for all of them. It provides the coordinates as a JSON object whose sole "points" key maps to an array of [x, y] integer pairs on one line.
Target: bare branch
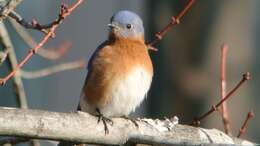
{"points": [[50, 53], [83, 128], [45, 28], [52, 70], [13, 63], [214, 108], [19, 88], [225, 117], [174, 21], [37, 26], [242, 130], [43, 41]]}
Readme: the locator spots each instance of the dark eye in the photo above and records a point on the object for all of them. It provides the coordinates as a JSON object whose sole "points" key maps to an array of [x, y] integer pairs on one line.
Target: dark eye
{"points": [[129, 26]]}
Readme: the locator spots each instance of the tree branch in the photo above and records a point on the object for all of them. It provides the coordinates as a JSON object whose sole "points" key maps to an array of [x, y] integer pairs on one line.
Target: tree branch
{"points": [[174, 21], [19, 88], [242, 130], [223, 85], [50, 53], [4, 36], [52, 70], [83, 128], [50, 33], [197, 120]]}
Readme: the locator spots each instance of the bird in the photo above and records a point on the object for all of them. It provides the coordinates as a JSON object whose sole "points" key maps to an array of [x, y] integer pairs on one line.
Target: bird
{"points": [[120, 71]]}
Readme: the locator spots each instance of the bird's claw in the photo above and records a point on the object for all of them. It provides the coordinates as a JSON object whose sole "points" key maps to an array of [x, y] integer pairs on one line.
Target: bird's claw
{"points": [[134, 121], [105, 121]]}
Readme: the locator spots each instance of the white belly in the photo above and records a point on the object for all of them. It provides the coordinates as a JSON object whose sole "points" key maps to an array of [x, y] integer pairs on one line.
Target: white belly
{"points": [[126, 94]]}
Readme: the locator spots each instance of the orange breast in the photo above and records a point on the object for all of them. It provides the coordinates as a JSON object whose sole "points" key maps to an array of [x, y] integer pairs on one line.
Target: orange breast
{"points": [[114, 61]]}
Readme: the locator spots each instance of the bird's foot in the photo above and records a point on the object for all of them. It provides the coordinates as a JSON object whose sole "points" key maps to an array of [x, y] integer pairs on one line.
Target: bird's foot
{"points": [[134, 121], [105, 121]]}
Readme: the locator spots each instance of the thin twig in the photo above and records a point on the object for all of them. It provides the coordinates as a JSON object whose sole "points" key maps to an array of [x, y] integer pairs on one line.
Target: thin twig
{"points": [[52, 70], [197, 120], [242, 130], [225, 116], [50, 53], [13, 63], [174, 21], [45, 28], [42, 42]]}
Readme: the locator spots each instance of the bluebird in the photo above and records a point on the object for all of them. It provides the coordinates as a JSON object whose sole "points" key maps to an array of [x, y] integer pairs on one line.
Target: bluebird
{"points": [[119, 72]]}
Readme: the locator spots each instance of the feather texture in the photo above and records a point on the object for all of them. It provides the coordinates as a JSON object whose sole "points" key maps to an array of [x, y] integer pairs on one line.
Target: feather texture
{"points": [[119, 77]]}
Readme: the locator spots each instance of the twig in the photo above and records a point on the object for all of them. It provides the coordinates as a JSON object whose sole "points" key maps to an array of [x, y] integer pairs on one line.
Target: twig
{"points": [[13, 62], [242, 130], [83, 128], [45, 28], [197, 120], [10, 6], [225, 116], [174, 21], [43, 41], [52, 70], [50, 53]]}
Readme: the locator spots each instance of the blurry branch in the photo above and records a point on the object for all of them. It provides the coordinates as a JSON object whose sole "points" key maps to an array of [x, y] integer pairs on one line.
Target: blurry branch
{"points": [[242, 130], [174, 21], [52, 70], [7, 7], [19, 88], [13, 63], [225, 116], [214, 108], [64, 12], [83, 128], [50, 53]]}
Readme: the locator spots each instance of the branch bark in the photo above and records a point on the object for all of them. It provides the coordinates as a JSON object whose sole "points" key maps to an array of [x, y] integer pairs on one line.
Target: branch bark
{"points": [[83, 128]]}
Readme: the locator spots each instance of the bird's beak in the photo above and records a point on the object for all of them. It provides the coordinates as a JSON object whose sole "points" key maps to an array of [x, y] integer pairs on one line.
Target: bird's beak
{"points": [[113, 26]]}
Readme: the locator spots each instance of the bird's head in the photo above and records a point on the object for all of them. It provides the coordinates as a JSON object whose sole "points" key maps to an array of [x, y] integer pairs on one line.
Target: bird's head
{"points": [[126, 24]]}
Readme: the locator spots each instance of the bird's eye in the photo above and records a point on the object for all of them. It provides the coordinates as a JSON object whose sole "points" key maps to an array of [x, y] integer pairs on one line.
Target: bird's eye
{"points": [[129, 26]]}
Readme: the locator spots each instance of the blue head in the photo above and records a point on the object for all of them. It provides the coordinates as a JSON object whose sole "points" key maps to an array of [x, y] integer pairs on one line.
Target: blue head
{"points": [[126, 24]]}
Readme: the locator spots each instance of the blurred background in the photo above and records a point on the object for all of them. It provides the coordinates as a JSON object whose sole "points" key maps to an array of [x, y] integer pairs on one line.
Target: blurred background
{"points": [[187, 66]]}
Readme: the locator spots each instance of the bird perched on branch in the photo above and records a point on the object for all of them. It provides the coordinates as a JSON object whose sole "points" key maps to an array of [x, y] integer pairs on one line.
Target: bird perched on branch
{"points": [[119, 72]]}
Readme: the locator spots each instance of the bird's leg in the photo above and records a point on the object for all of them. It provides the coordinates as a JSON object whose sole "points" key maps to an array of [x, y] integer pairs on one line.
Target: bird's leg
{"points": [[105, 120], [132, 120]]}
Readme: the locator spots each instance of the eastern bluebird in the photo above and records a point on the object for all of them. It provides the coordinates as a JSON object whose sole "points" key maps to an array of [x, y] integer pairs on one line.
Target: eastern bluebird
{"points": [[119, 72]]}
